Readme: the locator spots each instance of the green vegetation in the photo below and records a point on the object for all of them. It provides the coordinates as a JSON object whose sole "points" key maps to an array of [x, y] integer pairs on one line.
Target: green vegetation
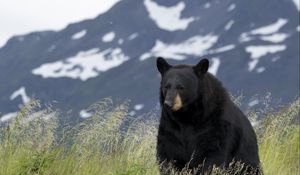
{"points": [[112, 143]]}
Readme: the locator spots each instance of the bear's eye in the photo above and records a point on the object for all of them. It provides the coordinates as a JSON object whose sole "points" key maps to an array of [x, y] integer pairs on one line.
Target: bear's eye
{"points": [[179, 87], [167, 86]]}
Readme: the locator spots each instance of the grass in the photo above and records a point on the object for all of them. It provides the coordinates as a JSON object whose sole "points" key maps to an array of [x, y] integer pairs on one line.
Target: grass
{"points": [[112, 143]]}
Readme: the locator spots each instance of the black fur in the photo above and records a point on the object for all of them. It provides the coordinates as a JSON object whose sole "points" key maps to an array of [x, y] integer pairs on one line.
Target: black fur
{"points": [[208, 130]]}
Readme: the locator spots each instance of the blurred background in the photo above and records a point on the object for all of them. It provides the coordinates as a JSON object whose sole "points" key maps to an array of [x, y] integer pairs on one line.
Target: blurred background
{"points": [[71, 54]]}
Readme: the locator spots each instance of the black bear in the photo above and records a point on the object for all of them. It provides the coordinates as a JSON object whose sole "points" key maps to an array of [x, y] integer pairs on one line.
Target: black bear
{"points": [[200, 127]]}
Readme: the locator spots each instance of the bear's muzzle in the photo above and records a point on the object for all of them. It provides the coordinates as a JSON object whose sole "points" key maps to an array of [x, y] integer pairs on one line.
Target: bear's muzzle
{"points": [[177, 103]]}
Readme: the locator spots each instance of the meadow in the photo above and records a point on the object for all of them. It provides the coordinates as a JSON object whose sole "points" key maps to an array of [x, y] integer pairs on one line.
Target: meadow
{"points": [[113, 143]]}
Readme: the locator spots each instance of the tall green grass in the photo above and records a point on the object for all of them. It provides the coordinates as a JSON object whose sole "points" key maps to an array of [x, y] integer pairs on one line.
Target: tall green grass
{"points": [[111, 142]]}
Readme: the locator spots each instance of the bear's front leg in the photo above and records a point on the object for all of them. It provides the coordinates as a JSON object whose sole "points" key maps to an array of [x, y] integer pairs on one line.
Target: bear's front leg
{"points": [[205, 164]]}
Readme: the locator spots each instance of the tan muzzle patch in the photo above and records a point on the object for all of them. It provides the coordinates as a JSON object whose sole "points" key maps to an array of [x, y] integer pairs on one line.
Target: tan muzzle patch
{"points": [[177, 103]]}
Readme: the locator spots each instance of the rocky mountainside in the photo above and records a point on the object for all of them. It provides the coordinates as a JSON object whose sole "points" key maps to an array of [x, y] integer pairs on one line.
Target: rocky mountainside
{"points": [[253, 48]]}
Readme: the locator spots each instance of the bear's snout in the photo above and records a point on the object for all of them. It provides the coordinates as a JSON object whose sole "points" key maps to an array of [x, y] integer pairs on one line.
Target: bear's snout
{"points": [[177, 103], [174, 103], [168, 103]]}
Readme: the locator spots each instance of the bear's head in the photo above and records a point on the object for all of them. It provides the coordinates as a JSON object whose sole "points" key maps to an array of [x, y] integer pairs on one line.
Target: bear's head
{"points": [[180, 84]]}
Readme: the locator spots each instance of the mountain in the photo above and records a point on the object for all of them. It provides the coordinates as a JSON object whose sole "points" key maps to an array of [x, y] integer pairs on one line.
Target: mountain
{"points": [[253, 47]]}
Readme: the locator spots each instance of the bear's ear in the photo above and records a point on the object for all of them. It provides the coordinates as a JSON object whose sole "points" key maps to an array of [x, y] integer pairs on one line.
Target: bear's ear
{"points": [[162, 65], [202, 67]]}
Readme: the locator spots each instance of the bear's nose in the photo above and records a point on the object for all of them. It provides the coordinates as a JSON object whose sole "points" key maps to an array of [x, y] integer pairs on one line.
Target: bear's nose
{"points": [[168, 103]]}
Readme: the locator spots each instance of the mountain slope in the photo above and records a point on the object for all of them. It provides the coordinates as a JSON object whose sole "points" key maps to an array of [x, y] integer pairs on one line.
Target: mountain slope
{"points": [[253, 49]]}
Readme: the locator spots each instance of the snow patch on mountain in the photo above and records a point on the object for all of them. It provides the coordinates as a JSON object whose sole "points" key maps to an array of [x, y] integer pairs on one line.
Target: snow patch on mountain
{"points": [[245, 37], [138, 107], [207, 5], [79, 35], [196, 46], [28, 117], [260, 69], [260, 51], [120, 41], [297, 4], [168, 18], [229, 25], [85, 114], [22, 93], [213, 69], [8, 116], [275, 59], [43, 114], [253, 103], [84, 65], [221, 49], [267, 33], [275, 38], [269, 29], [231, 7], [109, 37], [133, 36]]}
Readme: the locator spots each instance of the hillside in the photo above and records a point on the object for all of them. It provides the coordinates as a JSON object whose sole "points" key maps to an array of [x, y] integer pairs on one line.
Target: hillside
{"points": [[253, 47]]}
